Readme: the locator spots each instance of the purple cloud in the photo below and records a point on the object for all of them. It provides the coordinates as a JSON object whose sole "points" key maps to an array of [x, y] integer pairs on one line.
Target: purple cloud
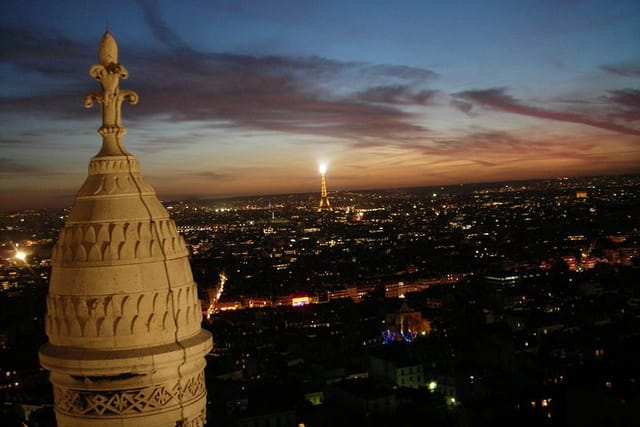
{"points": [[397, 94], [497, 99], [625, 70], [9, 167]]}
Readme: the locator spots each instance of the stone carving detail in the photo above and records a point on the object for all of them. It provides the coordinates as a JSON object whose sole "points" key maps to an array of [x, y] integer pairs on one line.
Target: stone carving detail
{"points": [[111, 184], [105, 165], [120, 315], [192, 388], [196, 422], [127, 402], [115, 184], [119, 241], [109, 72]]}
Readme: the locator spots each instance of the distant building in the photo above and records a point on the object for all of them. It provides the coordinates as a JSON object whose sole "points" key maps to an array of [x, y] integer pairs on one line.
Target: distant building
{"points": [[399, 365], [406, 323], [364, 397], [581, 194], [276, 419], [401, 372]]}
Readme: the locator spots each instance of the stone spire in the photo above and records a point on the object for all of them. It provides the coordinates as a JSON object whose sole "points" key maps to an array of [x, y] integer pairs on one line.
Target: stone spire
{"points": [[123, 317]]}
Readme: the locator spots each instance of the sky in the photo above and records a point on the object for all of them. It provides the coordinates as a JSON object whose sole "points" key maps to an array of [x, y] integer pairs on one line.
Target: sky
{"points": [[249, 97]]}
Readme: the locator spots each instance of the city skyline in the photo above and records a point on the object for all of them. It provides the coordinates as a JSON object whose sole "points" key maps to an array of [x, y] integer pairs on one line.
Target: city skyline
{"points": [[249, 99]]}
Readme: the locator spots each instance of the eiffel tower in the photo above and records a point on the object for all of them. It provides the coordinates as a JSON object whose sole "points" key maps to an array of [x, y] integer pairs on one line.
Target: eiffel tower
{"points": [[324, 200]]}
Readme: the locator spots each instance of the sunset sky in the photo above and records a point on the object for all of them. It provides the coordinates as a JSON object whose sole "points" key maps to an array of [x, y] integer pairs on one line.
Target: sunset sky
{"points": [[249, 97]]}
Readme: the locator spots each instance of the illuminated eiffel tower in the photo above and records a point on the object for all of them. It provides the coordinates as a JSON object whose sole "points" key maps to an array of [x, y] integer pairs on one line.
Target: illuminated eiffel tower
{"points": [[324, 200]]}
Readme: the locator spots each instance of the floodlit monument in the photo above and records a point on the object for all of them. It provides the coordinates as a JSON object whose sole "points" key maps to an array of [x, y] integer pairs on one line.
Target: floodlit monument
{"points": [[324, 204], [123, 317]]}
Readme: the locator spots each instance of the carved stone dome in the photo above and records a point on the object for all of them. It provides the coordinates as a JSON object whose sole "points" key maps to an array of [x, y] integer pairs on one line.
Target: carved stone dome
{"points": [[123, 317]]}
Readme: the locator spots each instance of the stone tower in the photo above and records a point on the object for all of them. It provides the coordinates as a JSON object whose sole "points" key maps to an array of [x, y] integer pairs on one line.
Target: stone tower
{"points": [[123, 317]]}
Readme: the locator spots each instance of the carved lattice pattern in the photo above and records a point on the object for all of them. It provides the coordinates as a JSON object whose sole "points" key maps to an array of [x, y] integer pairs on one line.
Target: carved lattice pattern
{"points": [[135, 401]]}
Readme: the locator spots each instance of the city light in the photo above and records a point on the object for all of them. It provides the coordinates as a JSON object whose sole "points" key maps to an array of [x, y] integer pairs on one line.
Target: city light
{"points": [[20, 255], [300, 301], [310, 280], [322, 168]]}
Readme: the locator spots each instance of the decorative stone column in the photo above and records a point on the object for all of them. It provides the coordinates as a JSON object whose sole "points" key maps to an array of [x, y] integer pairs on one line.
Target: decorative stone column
{"points": [[123, 317]]}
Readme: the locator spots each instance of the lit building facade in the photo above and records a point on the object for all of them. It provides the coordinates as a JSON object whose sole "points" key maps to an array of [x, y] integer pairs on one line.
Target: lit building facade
{"points": [[405, 324]]}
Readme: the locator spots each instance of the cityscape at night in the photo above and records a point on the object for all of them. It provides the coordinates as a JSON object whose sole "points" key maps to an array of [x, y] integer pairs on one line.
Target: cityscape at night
{"points": [[324, 214], [459, 305]]}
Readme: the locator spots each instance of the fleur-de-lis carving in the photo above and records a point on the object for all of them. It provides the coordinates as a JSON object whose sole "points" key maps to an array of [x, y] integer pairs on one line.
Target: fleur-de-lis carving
{"points": [[109, 72]]}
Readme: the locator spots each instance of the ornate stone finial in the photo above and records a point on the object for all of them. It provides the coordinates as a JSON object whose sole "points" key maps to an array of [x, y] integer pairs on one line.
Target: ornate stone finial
{"points": [[109, 72], [108, 52]]}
